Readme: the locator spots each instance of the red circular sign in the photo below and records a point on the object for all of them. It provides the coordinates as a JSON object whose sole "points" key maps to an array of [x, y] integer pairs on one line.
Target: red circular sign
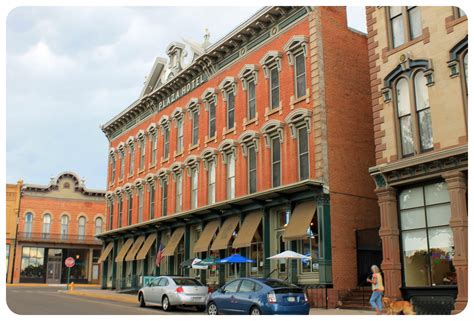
{"points": [[70, 262]]}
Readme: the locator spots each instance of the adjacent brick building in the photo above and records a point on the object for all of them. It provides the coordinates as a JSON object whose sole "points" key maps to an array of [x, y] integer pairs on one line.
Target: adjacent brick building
{"points": [[418, 69], [13, 192], [57, 221], [260, 144]]}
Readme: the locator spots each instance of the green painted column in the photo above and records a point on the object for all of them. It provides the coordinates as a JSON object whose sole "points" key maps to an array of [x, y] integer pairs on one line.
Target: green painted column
{"points": [[221, 268], [266, 242], [114, 265], [325, 255], [104, 274], [187, 247], [243, 267], [157, 244], [293, 264]]}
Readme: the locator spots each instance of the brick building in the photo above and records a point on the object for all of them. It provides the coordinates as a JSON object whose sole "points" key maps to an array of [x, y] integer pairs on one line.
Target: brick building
{"points": [[13, 192], [57, 221], [418, 69], [246, 149]]}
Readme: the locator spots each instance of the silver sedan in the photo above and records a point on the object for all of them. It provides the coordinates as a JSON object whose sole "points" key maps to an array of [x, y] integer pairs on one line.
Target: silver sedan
{"points": [[172, 291]]}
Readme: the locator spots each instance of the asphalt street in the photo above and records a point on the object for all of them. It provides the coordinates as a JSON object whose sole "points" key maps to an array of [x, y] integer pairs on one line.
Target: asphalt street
{"points": [[48, 300]]}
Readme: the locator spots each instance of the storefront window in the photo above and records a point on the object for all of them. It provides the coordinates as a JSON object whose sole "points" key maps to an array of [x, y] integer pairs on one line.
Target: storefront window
{"points": [[256, 252], [427, 239], [310, 247], [179, 257], [32, 263]]}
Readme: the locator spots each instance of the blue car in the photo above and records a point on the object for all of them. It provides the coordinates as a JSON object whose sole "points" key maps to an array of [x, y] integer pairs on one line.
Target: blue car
{"points": [[258, 296]]}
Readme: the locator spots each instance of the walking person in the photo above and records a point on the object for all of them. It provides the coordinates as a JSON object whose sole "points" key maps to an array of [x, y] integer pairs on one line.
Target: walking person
{"points": [[377, 289]]}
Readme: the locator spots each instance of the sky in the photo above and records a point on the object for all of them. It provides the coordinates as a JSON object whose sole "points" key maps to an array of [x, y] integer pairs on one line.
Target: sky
{"points": [[71, 69]]}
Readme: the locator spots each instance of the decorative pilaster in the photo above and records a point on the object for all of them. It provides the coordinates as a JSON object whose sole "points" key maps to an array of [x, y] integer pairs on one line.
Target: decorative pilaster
{"points": [[457, 188], [390, 235]]}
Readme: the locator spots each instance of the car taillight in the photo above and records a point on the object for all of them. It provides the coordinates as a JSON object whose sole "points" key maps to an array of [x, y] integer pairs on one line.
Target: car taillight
{"points": [[305, 298], [179, 289], [271, 297], [209, 289]]}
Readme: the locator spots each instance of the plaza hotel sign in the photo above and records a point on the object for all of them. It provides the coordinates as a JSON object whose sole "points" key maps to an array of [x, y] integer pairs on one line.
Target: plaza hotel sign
{"points": [[190, 86]]}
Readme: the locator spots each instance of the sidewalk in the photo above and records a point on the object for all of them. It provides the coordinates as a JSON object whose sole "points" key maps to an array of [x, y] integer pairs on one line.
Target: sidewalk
{"points": [[96, 286], [130, 298]]}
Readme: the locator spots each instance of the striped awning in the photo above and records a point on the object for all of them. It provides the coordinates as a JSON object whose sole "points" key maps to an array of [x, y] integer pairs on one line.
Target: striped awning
{"points": [[135, 247], [146, 247], [106, 252], [123, 250]]}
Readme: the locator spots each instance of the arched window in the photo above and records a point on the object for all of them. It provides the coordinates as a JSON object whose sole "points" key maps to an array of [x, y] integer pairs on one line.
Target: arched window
{"points": [[423, 112], [98, 225], [46, 225], [64, 227], [81, 231], [28, 221], [404, 117]]}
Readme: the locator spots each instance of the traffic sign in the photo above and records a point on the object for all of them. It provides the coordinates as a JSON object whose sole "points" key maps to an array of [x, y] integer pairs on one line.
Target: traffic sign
{"points": [[70, 262]]}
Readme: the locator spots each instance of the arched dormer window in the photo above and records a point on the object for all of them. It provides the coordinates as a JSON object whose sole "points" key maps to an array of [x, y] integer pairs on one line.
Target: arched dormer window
{"points": [[193, 110], [178, 121], [297, 51], [249, 76], [153, 134], [131, 149], [228, 86], [271, 64], [209, 97], [209, 155], [299, 121], [192, 166], [272, 132], [228, 150], [409, 82], [165, 130]]}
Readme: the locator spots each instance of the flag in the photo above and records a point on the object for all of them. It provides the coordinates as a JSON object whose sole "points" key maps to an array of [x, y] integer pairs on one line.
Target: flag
{"points": [[159, 255]]}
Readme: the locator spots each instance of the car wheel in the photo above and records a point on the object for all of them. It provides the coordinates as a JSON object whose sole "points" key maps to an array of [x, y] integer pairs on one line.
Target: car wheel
{"points": [[165, 304], [212, 309], [142, 301], [255, 311], [201, 308]]}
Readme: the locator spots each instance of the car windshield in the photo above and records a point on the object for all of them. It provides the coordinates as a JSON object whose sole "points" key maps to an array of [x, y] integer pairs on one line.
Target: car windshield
{"points": [[184, 282], [277, 284]]}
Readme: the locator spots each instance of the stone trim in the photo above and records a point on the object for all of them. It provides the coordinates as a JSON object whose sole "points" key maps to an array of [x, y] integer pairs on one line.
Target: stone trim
{"points": [[227, 147], [247, 73], [247, 139], [272, 128]]}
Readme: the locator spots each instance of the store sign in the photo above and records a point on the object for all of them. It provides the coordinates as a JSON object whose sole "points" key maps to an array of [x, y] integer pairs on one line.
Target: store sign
{"points": [[190, 86]]}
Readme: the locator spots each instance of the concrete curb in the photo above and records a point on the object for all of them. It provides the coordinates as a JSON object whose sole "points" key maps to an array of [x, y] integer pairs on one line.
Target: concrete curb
{"points": [[117, 297], [51, 285]]}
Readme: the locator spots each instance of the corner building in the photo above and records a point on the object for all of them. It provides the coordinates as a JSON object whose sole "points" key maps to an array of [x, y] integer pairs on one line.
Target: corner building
{"points": [[57, 221], [259, 144], [418, 65]]}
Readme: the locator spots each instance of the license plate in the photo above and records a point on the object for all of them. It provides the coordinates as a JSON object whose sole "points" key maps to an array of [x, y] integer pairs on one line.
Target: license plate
{"points": [[196, 298], [291, 299]]}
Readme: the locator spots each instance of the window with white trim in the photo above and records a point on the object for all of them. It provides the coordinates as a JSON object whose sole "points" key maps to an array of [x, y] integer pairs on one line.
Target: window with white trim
{"points": [[81, 230], [64, 227], [130, 208], [46, 225], [166, 142], [151, 201], [405, 24], [179, 136], [230, 176], [142, 145], [228, 88], [131, 163], [28, 223], [299, 121], [271, 64], [276, 161], [194, 187], [154, 147], [296, 48], [179, 192], [211, 182], [99, 223], [248, 75], [140, 204]]}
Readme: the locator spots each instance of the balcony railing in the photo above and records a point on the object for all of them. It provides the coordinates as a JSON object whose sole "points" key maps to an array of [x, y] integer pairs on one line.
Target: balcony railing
{"points": [[58, 238]]}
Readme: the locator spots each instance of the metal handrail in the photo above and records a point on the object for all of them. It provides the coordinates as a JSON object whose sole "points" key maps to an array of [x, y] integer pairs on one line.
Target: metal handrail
{"points": [[58, 237]]}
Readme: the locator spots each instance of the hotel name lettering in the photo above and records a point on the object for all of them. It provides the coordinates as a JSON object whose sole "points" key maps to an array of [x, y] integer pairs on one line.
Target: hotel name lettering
{"points": [[190, 86]]}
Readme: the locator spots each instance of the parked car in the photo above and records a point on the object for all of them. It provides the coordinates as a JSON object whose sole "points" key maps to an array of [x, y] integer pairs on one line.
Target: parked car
{"points": [[171, 291], [258, 296]]}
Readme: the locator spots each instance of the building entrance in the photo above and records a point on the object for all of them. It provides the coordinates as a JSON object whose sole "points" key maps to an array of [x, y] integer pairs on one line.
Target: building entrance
{"points": [[369, 252], [53, 268]]}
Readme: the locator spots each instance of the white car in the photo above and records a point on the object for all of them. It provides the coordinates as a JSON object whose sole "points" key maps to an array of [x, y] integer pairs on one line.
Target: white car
{"points": [[172, 291]]}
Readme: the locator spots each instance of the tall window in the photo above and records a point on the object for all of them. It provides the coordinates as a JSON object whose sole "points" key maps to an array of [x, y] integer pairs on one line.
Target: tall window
{"points": [[230, 176], [46, 225], [151, 200], [251, 101], [230, 109], [120, 211], [412, 99], [81, 230], [303, 153], [111, 213], [64, 227], [300, 74], [112, 170], [122, 165], [131, 160], [427, 238], [179, 192], [166, 142], [99, 222], [154, 146], [458, 12], [252, 169], [211, 181], [274, 87], [405, 24], [276, 162], [141, 164], [194, 187], [140, 205], [310, 247], [28, 222], [195, 123], [212, 118], [130, 208], [164, 198], [180, 137]]}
